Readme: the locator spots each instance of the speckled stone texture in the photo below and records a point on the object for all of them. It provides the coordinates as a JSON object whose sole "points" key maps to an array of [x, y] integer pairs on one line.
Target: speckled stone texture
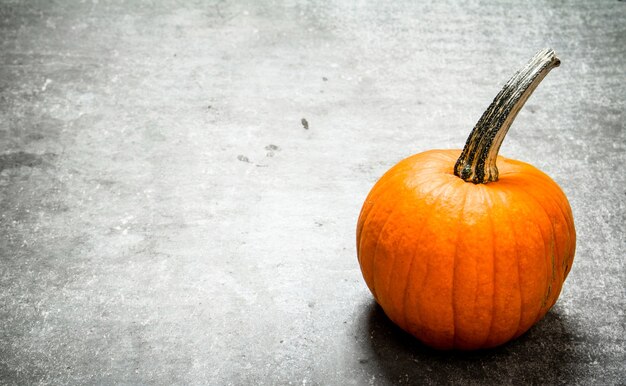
{"points": [[180, 183]]}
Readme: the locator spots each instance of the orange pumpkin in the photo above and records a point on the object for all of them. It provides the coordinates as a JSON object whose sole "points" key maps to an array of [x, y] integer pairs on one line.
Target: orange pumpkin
{"points": [[459, 252]]}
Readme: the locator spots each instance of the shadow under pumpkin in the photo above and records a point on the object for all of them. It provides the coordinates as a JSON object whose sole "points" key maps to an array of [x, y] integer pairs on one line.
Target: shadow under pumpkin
{"points": [[546, 354]]}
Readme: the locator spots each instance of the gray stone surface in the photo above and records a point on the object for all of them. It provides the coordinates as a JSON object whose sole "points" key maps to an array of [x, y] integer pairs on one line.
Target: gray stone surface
{"points": [[167, 218]]}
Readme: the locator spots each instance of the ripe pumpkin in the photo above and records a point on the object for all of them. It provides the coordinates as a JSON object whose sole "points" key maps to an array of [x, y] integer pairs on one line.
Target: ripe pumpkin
{"points": [[459, 252]]}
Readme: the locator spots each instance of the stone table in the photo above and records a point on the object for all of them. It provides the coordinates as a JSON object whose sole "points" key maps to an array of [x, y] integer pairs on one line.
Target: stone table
{"points": [[180, 183]]}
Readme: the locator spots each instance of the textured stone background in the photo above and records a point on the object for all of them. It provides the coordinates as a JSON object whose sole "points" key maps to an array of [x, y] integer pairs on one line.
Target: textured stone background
{"points": [[166, 217]]}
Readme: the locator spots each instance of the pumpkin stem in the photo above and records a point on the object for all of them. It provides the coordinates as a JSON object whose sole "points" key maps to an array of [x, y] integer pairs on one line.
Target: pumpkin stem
{"points": [[477, 162]]}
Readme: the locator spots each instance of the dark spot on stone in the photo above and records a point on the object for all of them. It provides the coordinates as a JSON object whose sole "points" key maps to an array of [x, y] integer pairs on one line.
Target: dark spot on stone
{"points": [[305, 123], [35, 137], [325, 79], [532, 108], [18, 159], [105, 182], [311, 304], [272, 149], [243, 158], [363, 360], [209, 107]]}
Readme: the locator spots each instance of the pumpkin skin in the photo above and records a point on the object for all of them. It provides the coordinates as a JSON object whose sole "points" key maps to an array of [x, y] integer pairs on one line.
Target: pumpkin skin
{"points": [[463, 254], [462, 265]]}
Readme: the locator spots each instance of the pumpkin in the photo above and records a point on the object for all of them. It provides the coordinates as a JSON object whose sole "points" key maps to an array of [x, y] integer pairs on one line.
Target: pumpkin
{"points": [[466, 249]]}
